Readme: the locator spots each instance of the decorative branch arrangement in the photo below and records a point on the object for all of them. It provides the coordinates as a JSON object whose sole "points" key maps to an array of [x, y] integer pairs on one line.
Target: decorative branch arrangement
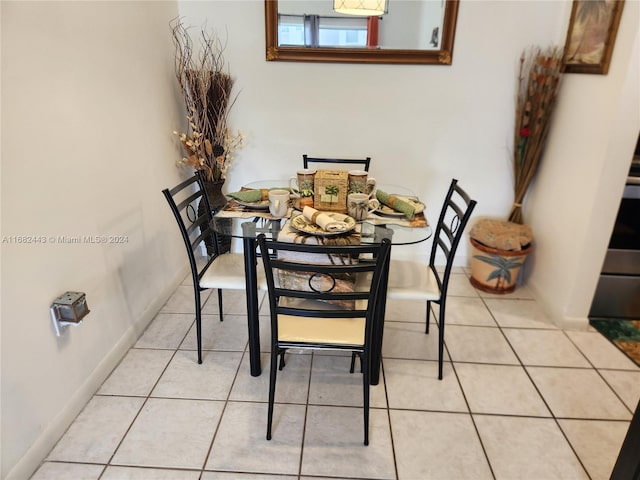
{"points": [[538, 83], [206, 91]]}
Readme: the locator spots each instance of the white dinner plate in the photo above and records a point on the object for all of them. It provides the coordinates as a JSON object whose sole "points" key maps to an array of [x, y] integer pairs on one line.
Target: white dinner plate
{"points": [[390, 212], [301, 224]]}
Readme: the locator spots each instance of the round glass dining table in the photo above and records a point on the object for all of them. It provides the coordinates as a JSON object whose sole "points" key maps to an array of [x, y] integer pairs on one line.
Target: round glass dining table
{"points": [[247, 227]]}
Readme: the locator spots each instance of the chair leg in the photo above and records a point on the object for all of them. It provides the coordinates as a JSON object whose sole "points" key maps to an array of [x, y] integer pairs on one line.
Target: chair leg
{"points": [[441, 337], [281, 352], [272, 388], [366, 370], [353, 362], [198, 323], [426, 330], [220, 303]]}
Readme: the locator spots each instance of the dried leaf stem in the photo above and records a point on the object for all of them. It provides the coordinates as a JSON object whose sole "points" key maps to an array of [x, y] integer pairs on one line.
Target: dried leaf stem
{"points": [[538, 83]]}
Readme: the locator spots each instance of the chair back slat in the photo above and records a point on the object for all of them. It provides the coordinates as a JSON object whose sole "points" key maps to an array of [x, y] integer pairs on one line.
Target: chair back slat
{"points": [[194, 223], [363, 271], [189, 200], [454, 216], [363, 162]]}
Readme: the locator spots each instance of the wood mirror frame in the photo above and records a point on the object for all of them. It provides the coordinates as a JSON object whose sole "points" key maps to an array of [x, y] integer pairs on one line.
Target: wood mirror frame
{"points": [[443, 56]]}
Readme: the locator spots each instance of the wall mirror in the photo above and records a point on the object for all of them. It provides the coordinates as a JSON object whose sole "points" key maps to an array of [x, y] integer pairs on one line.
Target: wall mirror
{"points": [[411, 31]]}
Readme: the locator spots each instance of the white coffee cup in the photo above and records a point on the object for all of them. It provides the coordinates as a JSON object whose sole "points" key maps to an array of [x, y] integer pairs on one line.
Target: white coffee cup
{"points": [[359, 205], [278, 202]]}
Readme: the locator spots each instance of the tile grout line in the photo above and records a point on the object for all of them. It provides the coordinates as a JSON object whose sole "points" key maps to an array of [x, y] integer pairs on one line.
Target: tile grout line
{"points": [[464, 396], [224, 409], [524, 367], [386, 396], [598, 372]]}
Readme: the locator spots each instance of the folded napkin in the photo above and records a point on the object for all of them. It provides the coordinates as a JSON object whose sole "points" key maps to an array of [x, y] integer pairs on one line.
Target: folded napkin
{"points": [[324, 221], [396, 203], [250, 196], [253, 195]]}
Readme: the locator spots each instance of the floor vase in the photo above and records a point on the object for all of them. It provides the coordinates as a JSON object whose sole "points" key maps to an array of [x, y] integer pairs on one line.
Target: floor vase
{"points": [[217, 201], [494, 270]]}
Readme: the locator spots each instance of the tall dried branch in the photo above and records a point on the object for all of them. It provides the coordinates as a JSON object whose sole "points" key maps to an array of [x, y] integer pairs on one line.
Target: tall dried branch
{"points": [[538, 83], [206, 88]]}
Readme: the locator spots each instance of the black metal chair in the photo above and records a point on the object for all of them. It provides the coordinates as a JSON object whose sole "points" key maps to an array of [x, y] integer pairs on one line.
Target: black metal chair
{"points": [[412, 280], [363, 162], [216, 270], [318, 316]]}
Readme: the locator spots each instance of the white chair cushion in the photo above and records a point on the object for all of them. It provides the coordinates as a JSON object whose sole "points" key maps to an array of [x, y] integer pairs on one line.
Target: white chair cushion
{"points": [[341, 331], [227, 271], [410, 280]]}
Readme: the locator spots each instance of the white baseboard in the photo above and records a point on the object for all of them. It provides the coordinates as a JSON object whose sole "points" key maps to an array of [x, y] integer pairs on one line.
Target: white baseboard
{"points": [[38, 451], [558, 318]]}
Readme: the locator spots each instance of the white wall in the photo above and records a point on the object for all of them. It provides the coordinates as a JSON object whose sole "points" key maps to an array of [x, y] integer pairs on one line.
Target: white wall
{"points": [[424, 125], [87, 123], [88, 110], [573, 203]]}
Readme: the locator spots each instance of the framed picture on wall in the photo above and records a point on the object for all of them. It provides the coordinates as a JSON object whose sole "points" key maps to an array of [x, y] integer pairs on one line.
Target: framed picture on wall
{"points": [[592, 33]]}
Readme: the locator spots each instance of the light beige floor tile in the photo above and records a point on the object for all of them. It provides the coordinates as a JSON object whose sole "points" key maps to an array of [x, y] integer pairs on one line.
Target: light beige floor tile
{"points": [[465, 311], [478, 344], [332, 384], [167, 330], [522, 292], [414, 385], [234, 302], [228, 335], [137, 373], [182, 300], [245, 476], [625, 384], [62, 471], [241, 444], [170, 433], [510, 312], [292, 383], [578, 393], [333, 444], [527, 448], [210, 380], [500, 389], [436, 446], [406, 311], [459, 286], [265, 334], [96, 432], [456, 270], [188, 279], [545, 348], [137, 473], [263, 303], [408, 340], [316, 478], [601, 352], [597, 444]]}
